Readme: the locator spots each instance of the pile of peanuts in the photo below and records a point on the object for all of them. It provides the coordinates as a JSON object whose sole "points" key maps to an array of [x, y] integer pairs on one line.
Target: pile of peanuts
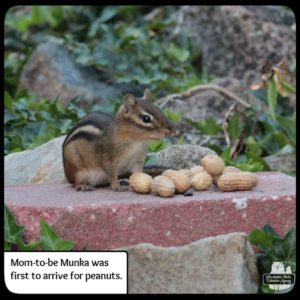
{"points": [[200, 178]]}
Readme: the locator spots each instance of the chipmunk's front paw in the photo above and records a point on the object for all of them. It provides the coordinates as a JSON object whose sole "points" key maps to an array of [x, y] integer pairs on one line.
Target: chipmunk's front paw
{"points": [[116, 187], [84, 187]]}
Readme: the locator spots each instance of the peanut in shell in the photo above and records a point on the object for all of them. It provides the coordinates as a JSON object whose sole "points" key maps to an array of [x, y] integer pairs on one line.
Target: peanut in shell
{"points": [[239, 181]]}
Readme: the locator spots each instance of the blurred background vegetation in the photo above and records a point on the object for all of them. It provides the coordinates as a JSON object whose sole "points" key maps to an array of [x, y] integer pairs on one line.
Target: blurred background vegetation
{"points": [[134, 48]]}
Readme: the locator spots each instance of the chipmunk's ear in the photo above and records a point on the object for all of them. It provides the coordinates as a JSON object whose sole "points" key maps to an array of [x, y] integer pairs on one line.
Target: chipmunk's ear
{"points": [[147, 94], [129, 100]]}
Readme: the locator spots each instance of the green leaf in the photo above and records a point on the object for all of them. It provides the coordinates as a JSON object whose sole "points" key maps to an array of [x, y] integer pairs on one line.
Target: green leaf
{"points": [[12, 231], [266, 290], [208, 126], [288, 125], [42, 14], [8, 102], [273, 142], [155, 146], [253, 146], [272, 97], [268, 229], [8, 117], [177, 53], [7, 246], [259, 238], [261, 94], [51, 241], [225, 155], [28, 247], [288, 86], [289, 245], [277, 250], [256, 158], [108, 13], [173, 116], [250, 166], [234, 127]]}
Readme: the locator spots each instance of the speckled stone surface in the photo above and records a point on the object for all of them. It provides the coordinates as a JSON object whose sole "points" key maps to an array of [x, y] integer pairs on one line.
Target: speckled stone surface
{"points": [[102, 219], [217, 265]]}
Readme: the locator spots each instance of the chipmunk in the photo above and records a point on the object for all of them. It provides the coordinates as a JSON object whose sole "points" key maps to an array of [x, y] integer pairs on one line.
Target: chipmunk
{"points": [[101, 147]]}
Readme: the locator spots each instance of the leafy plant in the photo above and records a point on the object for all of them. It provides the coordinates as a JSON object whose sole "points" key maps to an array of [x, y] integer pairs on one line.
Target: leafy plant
{"points": [[272, 97], [173, 116], [278, 89], [28, 123], [49, 240], [274, 249], [155, 146], [166, 65], [246, 162], [37, 15], [235, 127], [208, 126]]}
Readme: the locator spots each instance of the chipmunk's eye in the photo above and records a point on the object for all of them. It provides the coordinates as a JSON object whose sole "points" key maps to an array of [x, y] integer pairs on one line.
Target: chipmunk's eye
{"points": [[146, 119]]}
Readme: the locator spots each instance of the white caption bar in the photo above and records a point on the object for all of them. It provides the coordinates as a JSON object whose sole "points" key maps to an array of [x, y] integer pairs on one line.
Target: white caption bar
{"points": [[66, 272]]}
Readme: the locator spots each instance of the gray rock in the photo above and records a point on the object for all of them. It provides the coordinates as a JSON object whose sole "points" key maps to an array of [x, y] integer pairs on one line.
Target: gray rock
{"points": [[52, 71], [284, 160], [40, 165], [176, 157], [236, 41], [221, 264], [210, 103]]}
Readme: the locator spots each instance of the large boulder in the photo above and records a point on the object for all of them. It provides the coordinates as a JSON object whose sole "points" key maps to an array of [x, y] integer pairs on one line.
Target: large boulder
{"points": [[53, 72], [284, 160], [209, 102], [236, 41], [40, 165], [221, 264]]}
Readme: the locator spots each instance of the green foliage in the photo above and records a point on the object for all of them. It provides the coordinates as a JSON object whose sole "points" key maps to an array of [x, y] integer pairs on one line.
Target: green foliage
{"points": [[275, 249], [289, 87], [13, 64], [29, 123], [165, 65], [208, 126], [246, 162], [49, 240], [38, 15], [12, 231], [272, 97], [234, 127], [155, 146], [288, 125], [173, 116]]}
